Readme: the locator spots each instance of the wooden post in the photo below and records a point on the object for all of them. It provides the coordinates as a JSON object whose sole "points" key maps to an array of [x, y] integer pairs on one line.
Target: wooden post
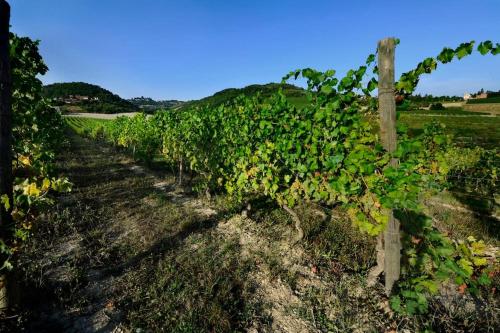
{"points": [[387, 110], [5, 134]]}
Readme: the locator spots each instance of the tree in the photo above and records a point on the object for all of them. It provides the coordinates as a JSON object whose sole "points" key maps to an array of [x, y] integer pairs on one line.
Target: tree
{"points": [[436, 106]]}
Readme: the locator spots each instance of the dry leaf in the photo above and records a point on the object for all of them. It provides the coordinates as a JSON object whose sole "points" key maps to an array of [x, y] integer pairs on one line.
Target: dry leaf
{"points": [[461, 288]]}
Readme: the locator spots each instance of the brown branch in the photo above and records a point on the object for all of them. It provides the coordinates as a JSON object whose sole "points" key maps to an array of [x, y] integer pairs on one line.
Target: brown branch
{"points": [[295, 219]]}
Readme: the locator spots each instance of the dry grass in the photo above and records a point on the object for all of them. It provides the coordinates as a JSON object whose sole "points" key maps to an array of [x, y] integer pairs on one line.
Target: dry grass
{"points": [[493, 108]]}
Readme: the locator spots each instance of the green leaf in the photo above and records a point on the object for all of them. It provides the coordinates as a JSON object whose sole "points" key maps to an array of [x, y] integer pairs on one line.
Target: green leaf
{"points": [[326, 89], [464, 49], [372, 84], [332, 162], [4, 200], [484, 280], [329, 73], [395, 303], [496, 50], [370, 59], [485, 47], [446, 55]]}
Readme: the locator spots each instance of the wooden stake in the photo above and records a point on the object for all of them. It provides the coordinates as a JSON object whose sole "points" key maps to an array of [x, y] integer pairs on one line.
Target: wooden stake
{"points": [[387, 110], [5, 134]]}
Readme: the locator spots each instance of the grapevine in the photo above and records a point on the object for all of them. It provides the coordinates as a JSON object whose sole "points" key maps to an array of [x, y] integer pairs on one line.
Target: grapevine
{"points": [[329, 153], [37, 134]]}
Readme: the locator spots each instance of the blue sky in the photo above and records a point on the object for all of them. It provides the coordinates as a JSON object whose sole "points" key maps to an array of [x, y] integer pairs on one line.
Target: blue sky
{"points": [[189, 49]]}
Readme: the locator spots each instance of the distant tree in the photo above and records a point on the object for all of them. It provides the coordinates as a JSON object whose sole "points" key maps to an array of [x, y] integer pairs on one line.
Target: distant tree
{"points": [[436, 106]]}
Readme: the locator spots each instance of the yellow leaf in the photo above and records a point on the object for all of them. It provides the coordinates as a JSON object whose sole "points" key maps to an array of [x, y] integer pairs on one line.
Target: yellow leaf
{"points": [[466, 265], [25, 160], [32, 190], [479, 261], [45, 184], [471, 239], [434, 167], [478, 247]]}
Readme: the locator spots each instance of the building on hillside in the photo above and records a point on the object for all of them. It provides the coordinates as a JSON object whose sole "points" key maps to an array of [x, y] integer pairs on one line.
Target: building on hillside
{"points": [[73, 99], [482, 95], [81, 98], [467, 96]]}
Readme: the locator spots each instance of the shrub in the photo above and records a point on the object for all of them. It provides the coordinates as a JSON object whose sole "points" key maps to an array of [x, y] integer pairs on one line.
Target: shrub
{"points": [[436, 106]]}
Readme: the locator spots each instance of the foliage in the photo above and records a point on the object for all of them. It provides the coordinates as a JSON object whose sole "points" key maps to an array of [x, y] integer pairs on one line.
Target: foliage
{"points": [[416, 101], [37, 134], [326, 152], [432, 258], [409, 80], [138, 132], [430, 98], [436, 106]]}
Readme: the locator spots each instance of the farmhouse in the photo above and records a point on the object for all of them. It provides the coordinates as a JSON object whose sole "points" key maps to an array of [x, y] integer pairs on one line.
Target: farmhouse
{"points": [[480, 95]]}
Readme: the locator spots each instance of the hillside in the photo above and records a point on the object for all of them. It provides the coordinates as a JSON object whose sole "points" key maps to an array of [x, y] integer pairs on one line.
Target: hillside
{"points": [[87, 98], [296, 95], [149, 104]]}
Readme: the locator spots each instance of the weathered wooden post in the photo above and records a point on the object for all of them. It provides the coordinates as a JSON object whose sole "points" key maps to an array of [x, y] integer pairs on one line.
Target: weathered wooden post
{"points": [[387, 110], [5, 134]]}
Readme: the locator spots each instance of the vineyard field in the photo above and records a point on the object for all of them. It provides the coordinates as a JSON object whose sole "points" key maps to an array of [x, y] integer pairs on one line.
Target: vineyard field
{"points": [[161, 247], [328, 202], [471, 128]]}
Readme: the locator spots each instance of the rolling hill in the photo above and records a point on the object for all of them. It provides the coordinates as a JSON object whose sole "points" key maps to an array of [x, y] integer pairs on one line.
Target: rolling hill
{"points": [[295, 95], [85, 97]]}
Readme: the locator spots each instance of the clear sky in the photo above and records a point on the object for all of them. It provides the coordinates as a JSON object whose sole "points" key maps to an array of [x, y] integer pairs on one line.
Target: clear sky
{"points": [[188, 49]]}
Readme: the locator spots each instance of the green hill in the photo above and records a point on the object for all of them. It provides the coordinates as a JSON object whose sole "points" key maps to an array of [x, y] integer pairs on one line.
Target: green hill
{"points": [[87, 98], [295, 95], [148, 104]]}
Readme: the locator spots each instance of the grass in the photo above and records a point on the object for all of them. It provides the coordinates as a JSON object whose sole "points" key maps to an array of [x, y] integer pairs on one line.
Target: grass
{"points": [[468, 130], [465, 221], [85, 126], [445, 112], [192, 291], [484, 100]]}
